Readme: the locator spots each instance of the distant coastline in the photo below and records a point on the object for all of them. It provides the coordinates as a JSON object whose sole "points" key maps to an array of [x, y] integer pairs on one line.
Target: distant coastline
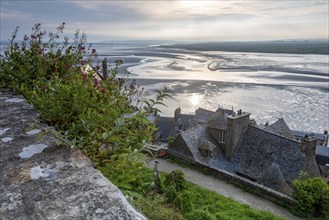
{"points": [[320, 47]]}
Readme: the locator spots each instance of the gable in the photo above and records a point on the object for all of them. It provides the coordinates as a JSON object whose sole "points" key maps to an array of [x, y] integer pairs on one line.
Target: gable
{"points": [[280, 128], [180, 149]]}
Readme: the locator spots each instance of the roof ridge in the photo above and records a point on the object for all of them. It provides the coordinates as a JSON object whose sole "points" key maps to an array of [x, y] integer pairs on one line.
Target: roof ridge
{"points": [[193, 128], [273, 134], [280, 119], [207, 110]]}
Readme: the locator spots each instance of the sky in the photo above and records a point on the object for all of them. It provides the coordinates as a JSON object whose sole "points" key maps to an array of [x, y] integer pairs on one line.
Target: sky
{"points": [[181, 20]]}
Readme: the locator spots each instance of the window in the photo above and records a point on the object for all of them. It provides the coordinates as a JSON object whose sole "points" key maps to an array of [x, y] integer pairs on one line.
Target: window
{"points": [[205, 153], [222, 136]]}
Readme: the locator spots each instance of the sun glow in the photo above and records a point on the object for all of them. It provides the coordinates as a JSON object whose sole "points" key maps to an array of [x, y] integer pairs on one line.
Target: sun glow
{"points": [[195, 99], [192, 3], [200, 7]]}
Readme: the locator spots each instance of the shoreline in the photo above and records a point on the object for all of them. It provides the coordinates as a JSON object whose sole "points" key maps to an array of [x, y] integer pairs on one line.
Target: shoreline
{"points": [[196, 82]]}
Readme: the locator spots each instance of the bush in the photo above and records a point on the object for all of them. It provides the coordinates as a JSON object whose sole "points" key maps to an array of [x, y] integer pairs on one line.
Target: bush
{"points": [[103, 117], [200, 215], [176, 190], [176, 180], [155, 207], [40, 56], [312, 195]]}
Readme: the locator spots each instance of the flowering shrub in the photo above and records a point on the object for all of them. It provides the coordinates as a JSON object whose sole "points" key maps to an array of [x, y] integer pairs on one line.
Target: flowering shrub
{"points": [[40, 56], [105, 118]]}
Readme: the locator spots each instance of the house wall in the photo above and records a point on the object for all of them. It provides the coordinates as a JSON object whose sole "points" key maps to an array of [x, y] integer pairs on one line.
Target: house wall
{"points": [[236, 125], [215, 134]]}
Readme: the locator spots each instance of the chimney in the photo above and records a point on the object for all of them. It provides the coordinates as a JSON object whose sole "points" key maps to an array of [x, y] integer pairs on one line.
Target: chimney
{"points": [[308, 146], [236, 126], [176, 113]]}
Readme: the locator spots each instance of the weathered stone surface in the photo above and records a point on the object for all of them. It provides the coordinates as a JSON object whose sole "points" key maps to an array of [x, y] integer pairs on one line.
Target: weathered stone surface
{"points": [[43, 179]]}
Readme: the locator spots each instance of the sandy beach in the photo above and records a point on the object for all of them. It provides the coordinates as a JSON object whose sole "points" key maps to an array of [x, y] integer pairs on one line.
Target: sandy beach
{"points": [[269, 85]]}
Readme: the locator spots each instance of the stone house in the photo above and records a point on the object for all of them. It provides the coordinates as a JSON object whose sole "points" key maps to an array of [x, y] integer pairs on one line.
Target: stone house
{"points": [[224, 140]]}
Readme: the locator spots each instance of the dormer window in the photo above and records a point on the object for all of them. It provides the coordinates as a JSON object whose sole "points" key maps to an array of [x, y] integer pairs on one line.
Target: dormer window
{"points": [[222, 136]]}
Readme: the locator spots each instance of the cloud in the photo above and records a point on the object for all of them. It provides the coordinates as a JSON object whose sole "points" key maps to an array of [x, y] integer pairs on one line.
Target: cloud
{"points": [[14, 15], [175, 19]]}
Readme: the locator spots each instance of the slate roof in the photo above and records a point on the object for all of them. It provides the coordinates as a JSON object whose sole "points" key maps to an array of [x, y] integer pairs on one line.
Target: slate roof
{"points": [[271, 155], [226, 111], [166, 127], [280, 128], [301, 134], [273, 178], [193, 138], [218, 121], [185, 120], [259, 149], [206, 145], [322, 155], [203, 115]]}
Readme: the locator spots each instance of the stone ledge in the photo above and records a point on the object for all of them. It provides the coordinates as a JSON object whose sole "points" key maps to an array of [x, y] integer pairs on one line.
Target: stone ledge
{"points": [[43, 179]]}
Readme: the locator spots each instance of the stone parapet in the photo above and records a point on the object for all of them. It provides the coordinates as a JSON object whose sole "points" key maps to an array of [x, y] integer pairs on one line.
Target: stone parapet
{"points": [[42, 178]]}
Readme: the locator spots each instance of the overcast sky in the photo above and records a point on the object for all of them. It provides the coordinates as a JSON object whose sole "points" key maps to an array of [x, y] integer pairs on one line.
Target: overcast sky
{"points": [[216, 20]]}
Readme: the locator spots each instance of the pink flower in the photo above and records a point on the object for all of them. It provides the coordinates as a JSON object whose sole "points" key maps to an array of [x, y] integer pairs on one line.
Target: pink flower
{"points": [[96, 83], [84, 76]]}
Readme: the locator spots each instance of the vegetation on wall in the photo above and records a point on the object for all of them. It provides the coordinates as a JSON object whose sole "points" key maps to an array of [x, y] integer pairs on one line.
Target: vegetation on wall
{"points": [[104, 118]]}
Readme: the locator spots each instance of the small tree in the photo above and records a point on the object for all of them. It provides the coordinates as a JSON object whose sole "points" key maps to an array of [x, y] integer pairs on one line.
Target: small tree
{"points": [[312, 195]]}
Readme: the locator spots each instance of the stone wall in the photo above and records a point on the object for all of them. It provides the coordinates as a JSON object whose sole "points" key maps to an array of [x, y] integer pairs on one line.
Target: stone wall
{"points": [[42, 178]]}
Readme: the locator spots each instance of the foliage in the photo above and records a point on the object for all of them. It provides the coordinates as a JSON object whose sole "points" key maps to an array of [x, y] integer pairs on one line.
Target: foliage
{"points": [[176, 190], [135, 180], [312, 195], [128, 175], [176, 180], [40, 56], [103, 117], [200, 215], [155, 207], [222, 207], [171, 139]]}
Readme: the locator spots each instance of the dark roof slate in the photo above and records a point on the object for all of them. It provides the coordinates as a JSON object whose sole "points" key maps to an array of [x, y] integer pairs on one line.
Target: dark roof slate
{"points": [[273, 178], [259, 149], [203, 115], [280, 128], [193, 138], [166, 127], [218, 121], [226, 111], [322, 155], [184, 120], [301, 134]]}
